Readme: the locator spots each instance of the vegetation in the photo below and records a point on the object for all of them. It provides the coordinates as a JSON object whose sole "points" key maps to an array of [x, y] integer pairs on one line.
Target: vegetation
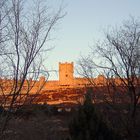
{"points": [[87, 124], [24, 35], [119, 55]]}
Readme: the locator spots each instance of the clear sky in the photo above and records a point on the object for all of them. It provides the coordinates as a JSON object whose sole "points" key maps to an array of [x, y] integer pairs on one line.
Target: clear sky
{"points": [[84, 24]]}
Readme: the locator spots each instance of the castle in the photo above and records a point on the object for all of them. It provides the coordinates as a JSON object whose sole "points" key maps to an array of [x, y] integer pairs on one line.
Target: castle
{"points": [[66, 81], [53, 91]]}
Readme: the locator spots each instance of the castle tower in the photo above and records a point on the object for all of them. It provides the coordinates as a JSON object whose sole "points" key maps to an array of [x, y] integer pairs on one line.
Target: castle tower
{"points": [[66, 73]]}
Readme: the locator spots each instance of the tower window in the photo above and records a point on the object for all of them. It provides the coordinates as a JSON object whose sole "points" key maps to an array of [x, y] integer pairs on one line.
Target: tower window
{"points": [[66, 75]]}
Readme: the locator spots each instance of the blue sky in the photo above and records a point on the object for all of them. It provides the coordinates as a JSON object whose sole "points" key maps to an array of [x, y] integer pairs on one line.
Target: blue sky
{"points": [[84, 24]]}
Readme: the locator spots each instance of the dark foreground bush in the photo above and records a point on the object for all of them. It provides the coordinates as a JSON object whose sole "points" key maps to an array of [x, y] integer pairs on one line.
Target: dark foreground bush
{"points": [[2, 110], [87, 124]]}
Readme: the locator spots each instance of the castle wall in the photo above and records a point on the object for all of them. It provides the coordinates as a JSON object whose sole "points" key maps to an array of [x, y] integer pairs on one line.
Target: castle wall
{"points": [[66, 80]]}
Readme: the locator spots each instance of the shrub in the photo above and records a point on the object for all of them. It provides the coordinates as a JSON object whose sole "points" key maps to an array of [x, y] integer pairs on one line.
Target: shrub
{"points": [[87, 124]]}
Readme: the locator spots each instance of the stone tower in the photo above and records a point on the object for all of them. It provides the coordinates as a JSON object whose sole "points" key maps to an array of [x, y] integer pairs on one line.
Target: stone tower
{"points": [[66, 74]]}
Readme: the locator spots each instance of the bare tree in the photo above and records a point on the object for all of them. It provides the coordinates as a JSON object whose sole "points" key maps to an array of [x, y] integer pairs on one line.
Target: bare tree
{"points": [[118, 58], [28, 35]]}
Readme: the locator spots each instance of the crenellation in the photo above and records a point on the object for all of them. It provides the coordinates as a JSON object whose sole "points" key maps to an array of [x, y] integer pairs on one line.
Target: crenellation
{"points": [[66, 80]]}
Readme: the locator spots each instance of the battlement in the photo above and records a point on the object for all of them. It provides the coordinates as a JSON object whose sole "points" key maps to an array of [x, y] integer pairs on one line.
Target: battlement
{"points": [[67, 88], [66, 80], [66, 63]]}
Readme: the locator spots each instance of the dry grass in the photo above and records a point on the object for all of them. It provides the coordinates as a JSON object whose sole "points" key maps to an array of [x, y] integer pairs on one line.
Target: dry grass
{"points": [[38, 127]]}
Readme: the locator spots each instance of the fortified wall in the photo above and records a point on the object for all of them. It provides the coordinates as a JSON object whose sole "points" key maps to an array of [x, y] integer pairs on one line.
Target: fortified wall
{"points": [[67, 89], [66, 81]]}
